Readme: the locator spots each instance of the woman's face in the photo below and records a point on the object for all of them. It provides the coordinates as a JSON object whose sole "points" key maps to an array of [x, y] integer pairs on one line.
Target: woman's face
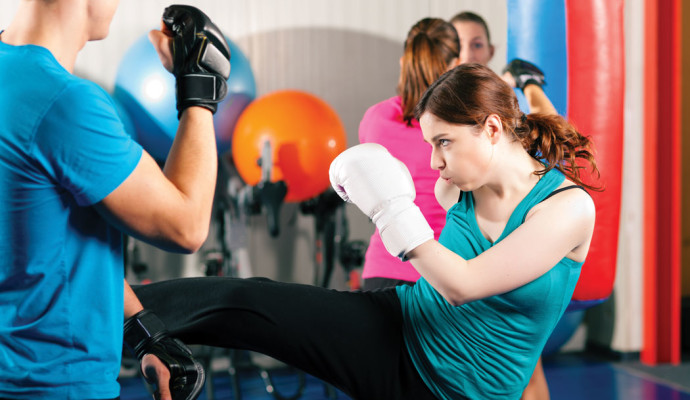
{"points": [[474, 44], [461, 153]]}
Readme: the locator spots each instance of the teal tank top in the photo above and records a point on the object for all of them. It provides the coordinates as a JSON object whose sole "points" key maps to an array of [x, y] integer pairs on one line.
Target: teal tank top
{"points": [[488, 348]]}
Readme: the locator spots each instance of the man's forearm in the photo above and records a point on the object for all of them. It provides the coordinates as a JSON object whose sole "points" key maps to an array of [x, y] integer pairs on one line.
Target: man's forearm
{"points": [[132, 303]]}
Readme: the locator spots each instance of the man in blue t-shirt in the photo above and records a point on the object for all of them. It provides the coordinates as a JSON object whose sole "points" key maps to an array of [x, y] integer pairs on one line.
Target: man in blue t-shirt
{"points": [[71, 180]]}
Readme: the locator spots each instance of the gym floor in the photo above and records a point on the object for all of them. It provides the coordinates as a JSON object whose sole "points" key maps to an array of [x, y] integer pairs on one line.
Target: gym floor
{"points": [[571, 376]]}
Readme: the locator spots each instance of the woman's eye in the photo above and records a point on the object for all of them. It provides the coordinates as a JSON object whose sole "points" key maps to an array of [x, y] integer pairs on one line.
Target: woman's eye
{"points": [[478, 45], [443, 142]]}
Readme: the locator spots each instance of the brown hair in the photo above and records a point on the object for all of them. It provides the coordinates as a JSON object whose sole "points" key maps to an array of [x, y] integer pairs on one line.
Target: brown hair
{"points": [[431, 45], [468, 16], [469, 93]]}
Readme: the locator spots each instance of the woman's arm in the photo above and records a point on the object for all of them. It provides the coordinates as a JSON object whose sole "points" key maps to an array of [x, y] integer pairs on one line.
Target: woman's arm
{"points": [[530, 79], [560, 228], [382, 188], [538, 101]]}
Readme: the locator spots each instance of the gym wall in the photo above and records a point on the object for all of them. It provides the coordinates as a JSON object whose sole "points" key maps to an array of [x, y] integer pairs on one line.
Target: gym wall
{"points": [[346, 52]]}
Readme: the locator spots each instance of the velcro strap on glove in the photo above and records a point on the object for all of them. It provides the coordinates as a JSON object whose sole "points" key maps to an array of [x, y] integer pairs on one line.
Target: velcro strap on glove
{"points": [[196, 87], [142, 331], [402, 227]]}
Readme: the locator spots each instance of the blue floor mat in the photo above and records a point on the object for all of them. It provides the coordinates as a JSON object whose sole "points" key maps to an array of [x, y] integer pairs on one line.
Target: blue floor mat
{"points": [[570, 377]]}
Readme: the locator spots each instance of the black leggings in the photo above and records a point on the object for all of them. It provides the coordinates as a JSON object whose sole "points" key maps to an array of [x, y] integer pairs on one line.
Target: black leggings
{"points": [[352, 340]]}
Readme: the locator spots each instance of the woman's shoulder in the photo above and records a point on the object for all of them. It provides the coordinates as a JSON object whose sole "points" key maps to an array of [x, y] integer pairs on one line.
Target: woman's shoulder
{"points": [[391, 105], [446, 194], [382, 119], [571, 210], [568, 200]]}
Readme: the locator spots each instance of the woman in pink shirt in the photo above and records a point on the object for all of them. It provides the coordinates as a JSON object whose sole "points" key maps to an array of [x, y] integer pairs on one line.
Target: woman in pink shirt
{"points": [[432, 48]]}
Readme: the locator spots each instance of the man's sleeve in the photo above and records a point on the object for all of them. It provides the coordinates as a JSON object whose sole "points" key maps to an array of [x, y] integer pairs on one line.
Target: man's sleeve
{"points": [[83, 144]]}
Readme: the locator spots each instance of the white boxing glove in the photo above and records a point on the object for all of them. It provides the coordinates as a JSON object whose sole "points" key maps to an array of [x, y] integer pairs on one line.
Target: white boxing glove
{"points": [[381, 186]]}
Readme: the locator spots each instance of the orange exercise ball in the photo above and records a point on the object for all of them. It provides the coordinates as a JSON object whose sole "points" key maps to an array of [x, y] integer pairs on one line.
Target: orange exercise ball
{"points": [[305, 134]]}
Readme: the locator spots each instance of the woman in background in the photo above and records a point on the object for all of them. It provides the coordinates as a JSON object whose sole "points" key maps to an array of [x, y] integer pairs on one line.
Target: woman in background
{"points": [[431, 48], [476, 47]]}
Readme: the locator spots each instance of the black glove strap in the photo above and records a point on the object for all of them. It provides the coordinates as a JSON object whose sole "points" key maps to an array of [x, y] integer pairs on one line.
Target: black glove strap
{"points": [[143, 330], [197, 87], [525, 73], [530, 80]]}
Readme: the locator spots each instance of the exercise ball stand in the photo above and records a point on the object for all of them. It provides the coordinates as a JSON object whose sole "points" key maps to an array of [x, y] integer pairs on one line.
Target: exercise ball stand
{"points": [[331, 231]]}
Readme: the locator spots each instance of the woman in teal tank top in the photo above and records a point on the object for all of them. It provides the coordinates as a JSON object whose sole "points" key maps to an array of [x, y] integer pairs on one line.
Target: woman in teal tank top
{"points": [[507, 262], [492, 288]]}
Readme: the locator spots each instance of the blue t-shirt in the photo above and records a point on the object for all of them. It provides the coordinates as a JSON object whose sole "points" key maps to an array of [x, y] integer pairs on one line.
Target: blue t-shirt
{"points": [[488, 348], [62, 149]]}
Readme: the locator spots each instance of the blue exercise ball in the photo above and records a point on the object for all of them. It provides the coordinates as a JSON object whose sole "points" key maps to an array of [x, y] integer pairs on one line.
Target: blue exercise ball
{"points": [[147, 92], [564, 330]]}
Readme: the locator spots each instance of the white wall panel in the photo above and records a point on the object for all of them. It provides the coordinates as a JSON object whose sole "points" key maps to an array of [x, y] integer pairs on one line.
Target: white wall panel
{"points": [[239, 19], [627, 334]]}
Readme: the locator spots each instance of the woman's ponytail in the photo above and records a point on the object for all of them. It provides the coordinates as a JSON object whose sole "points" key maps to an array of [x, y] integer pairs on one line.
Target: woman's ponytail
{"points": [[557, 143], [431, 45]]}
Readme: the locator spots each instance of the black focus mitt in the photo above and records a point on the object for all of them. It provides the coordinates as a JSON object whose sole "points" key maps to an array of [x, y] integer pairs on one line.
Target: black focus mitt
{"points": [[145, 333], [525, 73], [201, 58]]}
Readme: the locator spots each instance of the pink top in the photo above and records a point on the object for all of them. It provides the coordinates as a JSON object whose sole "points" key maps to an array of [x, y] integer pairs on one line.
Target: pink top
{"points": [[383, 124]]}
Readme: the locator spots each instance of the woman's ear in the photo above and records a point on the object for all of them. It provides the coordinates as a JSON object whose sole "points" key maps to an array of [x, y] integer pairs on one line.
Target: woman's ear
{"points": [[493, 127]]}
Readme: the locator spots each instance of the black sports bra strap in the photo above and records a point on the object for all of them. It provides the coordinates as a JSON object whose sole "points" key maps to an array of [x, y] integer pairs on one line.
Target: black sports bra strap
{"points": [[564, 189], [550, 194]]}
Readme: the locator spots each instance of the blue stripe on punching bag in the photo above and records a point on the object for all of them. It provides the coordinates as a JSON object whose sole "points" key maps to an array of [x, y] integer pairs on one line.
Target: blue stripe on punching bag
{"points": [[537, 33]]}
